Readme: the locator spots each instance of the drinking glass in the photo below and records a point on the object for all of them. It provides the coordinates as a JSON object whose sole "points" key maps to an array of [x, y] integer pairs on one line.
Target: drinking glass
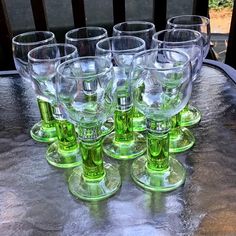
{"points": [[190, 42], [144, 30], [43, 131], [193, 22], [123, 143], [85, 39], [141, 29], [191, 115], [43, 62], [162, 88], [86, 91]]}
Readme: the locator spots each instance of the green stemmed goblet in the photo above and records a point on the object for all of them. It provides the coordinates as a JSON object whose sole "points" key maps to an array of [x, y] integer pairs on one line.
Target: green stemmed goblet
{"points": [[123, 143], [85, 40], [145, 31], [43, 63], [87, 93], [190, 42], [162, 88], [190, 115], [43, 131]]}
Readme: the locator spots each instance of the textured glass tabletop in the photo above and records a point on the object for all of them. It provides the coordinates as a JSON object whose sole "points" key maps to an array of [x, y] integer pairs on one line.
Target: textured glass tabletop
{"points": [[34, 199]]}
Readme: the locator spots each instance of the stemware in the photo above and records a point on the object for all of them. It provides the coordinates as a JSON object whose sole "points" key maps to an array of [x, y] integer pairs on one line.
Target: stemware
{"points": [[144, 30], [43, 62], [190, 42], [43, 131], [191, 115], [141, 29], [85, 40], [194, 22], [162, 88], [123, 143], [87, 92]]}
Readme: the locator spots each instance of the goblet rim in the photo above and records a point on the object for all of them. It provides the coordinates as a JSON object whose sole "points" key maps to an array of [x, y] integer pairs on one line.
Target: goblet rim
{"points": [[199, 36], [51, 46], [87, 38], [163, 69], [152, 26], [207, 21], [131, 50], [62, 65], [14, 41]]}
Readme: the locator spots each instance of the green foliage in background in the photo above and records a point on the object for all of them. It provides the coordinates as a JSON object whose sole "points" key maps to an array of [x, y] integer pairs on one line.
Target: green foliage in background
{"points": [[218, 4]]}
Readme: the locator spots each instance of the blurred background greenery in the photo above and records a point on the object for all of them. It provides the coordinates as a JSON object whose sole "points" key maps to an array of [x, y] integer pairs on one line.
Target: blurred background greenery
{"points": [[218, 4]]}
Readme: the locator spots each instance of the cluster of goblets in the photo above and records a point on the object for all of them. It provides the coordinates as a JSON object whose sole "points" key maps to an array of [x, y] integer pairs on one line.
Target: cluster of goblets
{"points": [[124, 96]]}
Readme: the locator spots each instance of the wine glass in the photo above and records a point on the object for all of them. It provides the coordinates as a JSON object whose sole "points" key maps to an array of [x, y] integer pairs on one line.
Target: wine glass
{"points": [[141, 29], [43, 62], [43, 131], [87, 93], [191, 115], [144, 30], [190, 42], [194, 22], [85, 39], [162, 88], [123, 143]]}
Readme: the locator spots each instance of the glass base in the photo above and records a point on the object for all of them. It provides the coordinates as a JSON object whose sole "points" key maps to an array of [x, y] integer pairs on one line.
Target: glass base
{"points": [[139, 123], [124, 150], [180, 139], [159, 181], [94, 190], [190, 116], [63, 159], [40, 134]]}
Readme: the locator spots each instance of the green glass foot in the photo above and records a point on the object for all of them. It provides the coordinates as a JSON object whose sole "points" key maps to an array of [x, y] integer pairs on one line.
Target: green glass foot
{"points": [[139, 122], [124, 150], [180, 139], [96, 189], [63, 159], [159, 181], [40, 134], [189, 116]]}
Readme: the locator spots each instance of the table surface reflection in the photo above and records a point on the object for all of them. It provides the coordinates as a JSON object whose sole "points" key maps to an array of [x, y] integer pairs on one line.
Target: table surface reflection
{"points": [[34, 199]]}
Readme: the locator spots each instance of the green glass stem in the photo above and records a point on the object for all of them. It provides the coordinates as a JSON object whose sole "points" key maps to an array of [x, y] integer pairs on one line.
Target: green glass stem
{"points": [[176, 120], [158, 151], [91, 151], [46, 113], [124, 144], [157, 171], [158, 145], [64, 153], [181, 138], [175, 125], [67, 137], [92, 157], [93, 180], [124, 125], [139, 119]]}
